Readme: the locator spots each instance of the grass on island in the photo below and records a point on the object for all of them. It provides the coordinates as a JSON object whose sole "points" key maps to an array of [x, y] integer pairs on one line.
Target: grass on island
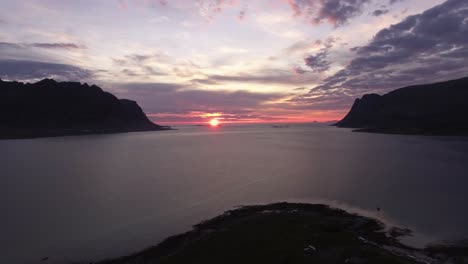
{"points": [[283, 233]]}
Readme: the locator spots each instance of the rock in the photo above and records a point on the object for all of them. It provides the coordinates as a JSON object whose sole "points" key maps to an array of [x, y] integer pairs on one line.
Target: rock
{"points": [[50, 108], [310, 249], [438, 108]]}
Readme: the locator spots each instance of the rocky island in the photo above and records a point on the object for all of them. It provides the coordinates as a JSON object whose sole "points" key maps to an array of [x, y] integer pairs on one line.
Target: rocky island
{"points": [[431, 109], [292, 233], [48, 108]]}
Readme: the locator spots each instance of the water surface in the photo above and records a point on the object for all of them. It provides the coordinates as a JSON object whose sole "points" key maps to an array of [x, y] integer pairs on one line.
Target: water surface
{"points": [[91, 197]]}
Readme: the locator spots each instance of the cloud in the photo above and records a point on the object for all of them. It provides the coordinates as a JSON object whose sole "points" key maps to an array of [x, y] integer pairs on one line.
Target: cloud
{"points": [[242, 14], [179, 102], [391, 2], [319, 62], [301, 47], [8, 45], [327, 103], [137, 59], [130, 73], [209, 9], [22, 70], [125, 4], [427, 47], [205, 81], [141, 65], [300, 88], [266, 76], [66, 46], [380, 12], [336, 12]]}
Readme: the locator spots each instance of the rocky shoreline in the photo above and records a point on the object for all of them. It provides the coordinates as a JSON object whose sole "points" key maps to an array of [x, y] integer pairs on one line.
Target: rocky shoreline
{"points": [[292, 233], [8, 134]]}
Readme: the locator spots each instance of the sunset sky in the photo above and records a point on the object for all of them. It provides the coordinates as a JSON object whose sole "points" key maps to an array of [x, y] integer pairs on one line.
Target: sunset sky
{"points": [[237, 60]]}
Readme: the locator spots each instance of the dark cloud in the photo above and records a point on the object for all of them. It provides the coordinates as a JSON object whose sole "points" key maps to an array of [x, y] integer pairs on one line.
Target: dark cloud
{"points": [[119, 62], [205, 81], [143, 71], [242, 14], [336, 12], [300, 88], [394, 1], [129, 72], [319, 62], [174, 99], [336, 102], [380, 12], [198, 118], [323, 103], [22, 70], [300, 70], [66, 46], [423, 48], [138, 59], [185, 70], [141, 64], [164, 102], [8, 45], [267, 76]]}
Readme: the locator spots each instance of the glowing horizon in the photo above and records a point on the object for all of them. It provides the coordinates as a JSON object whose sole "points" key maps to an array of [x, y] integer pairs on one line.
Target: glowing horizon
{"points": [[239, 61]]}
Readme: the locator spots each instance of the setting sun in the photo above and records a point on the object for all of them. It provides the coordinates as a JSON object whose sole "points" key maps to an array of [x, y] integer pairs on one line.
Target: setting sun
{"points": [[214, 122]]}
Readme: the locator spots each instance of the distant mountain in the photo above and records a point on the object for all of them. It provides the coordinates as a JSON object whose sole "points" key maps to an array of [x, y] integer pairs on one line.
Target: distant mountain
{"points": [[49, 108], [435, 109]]}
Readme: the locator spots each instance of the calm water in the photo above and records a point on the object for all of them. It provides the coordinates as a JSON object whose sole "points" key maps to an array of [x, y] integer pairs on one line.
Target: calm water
{"points": [[92, 197]]}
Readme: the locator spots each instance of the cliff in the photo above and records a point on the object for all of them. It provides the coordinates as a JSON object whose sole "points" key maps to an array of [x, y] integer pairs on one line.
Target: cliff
{"points": [[434, 109], [49, 108]]}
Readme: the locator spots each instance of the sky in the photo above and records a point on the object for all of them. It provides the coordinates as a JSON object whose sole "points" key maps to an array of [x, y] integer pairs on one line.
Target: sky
{"points": [[187, 61]]}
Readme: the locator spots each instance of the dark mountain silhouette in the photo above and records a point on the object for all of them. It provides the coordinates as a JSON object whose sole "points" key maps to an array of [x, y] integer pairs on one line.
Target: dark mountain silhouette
{"points": [[50, 108], [439, 108]]}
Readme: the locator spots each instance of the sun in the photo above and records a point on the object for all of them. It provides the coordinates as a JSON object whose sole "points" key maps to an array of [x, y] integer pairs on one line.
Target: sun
{"points": [[214, 122]]}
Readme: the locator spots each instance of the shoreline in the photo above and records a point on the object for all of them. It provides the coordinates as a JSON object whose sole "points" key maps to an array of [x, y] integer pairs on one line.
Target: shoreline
{"points": [[18, 135], [291, 232]]}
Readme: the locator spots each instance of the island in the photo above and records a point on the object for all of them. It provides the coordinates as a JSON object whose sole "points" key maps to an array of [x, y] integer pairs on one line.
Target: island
{"points": [[431, 109], [291, 233], [49, 108]]}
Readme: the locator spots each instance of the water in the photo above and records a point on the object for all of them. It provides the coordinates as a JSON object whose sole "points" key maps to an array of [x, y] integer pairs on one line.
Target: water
{"points": [[92, 197]]}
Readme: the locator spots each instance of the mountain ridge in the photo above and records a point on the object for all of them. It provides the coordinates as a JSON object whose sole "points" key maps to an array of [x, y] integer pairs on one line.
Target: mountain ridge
{"points": [[49, 108], [435, 109]]}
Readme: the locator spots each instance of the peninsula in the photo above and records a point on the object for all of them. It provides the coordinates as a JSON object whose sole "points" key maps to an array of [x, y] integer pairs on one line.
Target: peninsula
{"points": [[292, 233], [48, 108], [431, 109]]}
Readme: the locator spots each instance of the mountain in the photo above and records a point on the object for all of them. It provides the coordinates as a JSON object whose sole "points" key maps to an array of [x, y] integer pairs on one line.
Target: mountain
{"points": [[434, 109], [49, 108]]}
